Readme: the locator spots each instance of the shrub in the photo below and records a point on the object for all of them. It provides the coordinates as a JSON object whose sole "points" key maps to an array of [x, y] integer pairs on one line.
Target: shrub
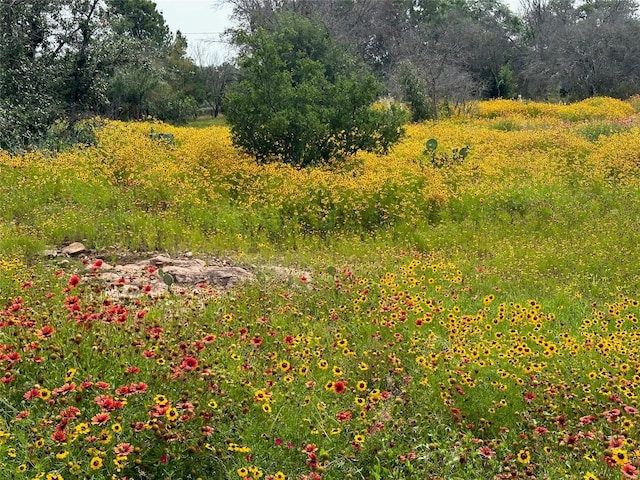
{"points": [[303, 100]]}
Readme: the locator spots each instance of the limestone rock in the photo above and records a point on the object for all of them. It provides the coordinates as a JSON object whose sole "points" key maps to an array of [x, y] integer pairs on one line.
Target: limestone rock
{"points": [[194, 271], [286, 273], [134, 279], [75, 248]]}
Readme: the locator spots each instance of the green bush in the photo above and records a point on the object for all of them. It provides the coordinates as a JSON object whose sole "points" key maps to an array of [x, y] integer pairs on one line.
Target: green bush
{"points": [[303, 100], [593, 131]]}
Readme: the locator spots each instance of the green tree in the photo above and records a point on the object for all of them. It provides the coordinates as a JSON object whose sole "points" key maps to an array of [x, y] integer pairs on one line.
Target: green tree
{"points": [[86, 61], [139, 19], [173, 100], [157, 82], [151, 80], [27, 94], [507, 86], [303, 100], [213, 80], [412, 90], [130, 88], [62, 61]]}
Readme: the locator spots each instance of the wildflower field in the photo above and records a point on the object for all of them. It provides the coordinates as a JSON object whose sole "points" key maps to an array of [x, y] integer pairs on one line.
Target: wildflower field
{"points": [[463, 318]]}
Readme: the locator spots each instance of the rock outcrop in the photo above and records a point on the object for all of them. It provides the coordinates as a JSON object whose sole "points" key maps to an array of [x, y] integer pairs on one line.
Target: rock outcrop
{"points": [[148, 276]]}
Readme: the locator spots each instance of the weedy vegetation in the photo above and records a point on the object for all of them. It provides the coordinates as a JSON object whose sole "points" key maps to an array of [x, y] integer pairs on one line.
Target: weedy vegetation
{"points": [[464, 319]]}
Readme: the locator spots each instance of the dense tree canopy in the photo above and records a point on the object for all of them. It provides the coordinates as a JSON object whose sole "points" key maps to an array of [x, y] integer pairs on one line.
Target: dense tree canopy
{"points": [[139, 19], [448, 51], [581, 49]]}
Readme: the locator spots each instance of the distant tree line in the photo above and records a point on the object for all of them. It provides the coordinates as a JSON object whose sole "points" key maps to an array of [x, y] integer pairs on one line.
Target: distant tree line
{"points": [[434, 54], [62, 61]]}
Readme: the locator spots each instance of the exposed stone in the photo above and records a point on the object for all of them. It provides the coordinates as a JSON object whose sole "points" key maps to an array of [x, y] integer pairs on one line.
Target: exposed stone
{"points": [[75, 248], [286, 273], [162, 261], [194, 271], [132, 279]]}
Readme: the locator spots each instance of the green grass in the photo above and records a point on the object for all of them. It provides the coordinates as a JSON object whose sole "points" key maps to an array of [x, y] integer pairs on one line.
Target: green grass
{"points": [[492, 336], [207, 122]]}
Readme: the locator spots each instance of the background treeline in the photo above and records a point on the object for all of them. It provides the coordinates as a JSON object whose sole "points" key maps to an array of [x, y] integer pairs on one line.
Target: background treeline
{"points": [[66, 60], [435, 53]]}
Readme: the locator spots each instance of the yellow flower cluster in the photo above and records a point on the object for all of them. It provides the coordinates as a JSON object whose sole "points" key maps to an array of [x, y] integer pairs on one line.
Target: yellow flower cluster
{"points": [[618, 158], [589, 109]]}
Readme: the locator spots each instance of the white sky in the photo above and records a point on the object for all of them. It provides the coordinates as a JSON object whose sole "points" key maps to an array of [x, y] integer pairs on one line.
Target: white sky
{"points": [[202, 23]]}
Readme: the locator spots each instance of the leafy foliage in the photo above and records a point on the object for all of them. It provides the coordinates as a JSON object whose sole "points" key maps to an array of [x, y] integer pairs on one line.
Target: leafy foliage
{"points": [[139, 19], [413, 91], [507, 85], [302, 100], [61, 62]]}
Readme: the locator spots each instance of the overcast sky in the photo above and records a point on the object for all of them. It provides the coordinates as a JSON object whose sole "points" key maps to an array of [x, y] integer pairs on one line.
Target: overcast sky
{"points": [[203, 23]]}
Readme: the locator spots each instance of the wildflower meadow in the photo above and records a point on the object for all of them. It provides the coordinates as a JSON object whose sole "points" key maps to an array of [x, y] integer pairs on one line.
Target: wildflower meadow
{"points": [[444, 316]]}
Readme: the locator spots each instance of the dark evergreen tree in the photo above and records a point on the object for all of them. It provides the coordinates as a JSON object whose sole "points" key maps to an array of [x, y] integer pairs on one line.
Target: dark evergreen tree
{"points": [[302, 99]]}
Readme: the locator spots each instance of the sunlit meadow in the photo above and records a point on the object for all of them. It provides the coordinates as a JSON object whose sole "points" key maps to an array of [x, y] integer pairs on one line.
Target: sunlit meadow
{"points": [[462, 318]]}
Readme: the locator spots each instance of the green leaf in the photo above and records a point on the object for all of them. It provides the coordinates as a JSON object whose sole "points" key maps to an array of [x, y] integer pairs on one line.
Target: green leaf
{"points": [[167, 278]]}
